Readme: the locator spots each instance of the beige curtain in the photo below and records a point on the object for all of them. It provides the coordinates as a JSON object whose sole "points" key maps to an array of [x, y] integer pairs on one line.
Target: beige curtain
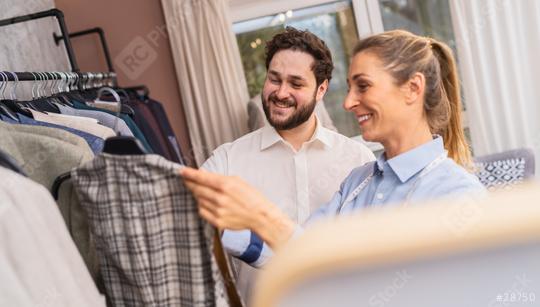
{"points": [[209, 69], [498, 45]]}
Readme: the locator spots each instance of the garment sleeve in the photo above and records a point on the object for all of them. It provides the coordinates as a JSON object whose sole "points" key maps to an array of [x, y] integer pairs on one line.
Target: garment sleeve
{"points": [[246, 246], [249, 247]]}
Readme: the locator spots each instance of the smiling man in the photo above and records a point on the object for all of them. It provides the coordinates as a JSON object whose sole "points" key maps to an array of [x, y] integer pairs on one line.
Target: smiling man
{"points": [[296, 162]]}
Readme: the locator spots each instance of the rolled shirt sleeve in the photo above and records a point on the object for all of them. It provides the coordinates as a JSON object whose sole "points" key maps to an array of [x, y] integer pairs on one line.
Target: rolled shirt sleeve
{"points": [[246, 246], [249, 247]]}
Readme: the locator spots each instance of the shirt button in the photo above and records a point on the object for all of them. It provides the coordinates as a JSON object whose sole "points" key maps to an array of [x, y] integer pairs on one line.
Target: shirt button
{"points": [[379, 196]]}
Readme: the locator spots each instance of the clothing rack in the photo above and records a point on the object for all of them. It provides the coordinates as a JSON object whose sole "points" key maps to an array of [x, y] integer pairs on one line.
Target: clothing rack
{"points": [[105, 47], [55, 75], [61, 23], [71, 80], [97, 30]]}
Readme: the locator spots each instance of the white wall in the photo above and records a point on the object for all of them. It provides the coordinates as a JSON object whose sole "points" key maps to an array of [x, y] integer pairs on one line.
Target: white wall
{"points": [[29, 46]]}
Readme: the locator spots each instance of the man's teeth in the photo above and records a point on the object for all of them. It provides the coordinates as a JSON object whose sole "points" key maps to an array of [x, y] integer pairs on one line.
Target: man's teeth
{"points": [[363, 118], [281, 104]]}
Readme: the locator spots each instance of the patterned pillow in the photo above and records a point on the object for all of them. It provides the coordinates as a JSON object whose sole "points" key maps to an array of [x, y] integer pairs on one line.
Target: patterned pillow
{"points": [[502, 174]]}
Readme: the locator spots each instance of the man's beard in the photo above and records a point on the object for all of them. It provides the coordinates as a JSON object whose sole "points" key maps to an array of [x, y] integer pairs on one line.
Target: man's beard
{"points": [[298, 117]]}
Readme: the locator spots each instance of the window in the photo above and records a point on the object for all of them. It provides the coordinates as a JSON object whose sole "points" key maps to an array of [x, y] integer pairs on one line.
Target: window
{"points": [[427, 18], [333, 22], [423, 17]]}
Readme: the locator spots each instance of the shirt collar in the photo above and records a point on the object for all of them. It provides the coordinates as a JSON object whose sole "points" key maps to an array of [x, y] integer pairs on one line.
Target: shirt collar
{"points": [[270, 136], [413, 161]]}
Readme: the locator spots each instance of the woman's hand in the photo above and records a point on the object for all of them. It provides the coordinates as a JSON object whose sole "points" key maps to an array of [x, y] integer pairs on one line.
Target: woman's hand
{"points": [[224, 201], [230, 203]]}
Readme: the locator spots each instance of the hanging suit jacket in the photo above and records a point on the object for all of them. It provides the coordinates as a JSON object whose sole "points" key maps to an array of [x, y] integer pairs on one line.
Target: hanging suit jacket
{"points": [[44, 153], [164, 124], [95, 143], [153, 247], [146, 121]]}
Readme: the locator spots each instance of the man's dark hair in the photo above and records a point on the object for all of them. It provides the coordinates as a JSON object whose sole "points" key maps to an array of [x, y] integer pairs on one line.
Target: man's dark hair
{"points": [[307, 42]]}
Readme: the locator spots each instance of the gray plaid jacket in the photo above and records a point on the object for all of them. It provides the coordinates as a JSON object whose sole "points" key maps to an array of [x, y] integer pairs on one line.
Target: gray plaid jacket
{"points": [[153, 247]]}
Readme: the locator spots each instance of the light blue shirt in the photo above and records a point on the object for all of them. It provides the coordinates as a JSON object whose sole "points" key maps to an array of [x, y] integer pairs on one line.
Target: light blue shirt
{"points": [[394, 182]]}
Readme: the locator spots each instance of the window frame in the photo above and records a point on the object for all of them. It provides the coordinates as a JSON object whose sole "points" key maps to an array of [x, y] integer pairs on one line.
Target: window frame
{"points": [[366, 12]]}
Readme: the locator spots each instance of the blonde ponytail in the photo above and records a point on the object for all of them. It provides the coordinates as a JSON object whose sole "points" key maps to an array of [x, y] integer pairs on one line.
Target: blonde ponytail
{"points": [[453, 134]]}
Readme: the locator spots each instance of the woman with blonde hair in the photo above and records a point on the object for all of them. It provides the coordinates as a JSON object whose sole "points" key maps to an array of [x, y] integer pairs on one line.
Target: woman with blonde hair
{"points": [[404, 91]]}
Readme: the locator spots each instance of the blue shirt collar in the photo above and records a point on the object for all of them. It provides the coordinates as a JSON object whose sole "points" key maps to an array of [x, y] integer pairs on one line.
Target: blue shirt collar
{"points": [[413, 161]]}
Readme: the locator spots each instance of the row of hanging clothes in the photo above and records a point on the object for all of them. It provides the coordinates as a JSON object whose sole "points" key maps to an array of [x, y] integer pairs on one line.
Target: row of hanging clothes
{"points": [[93, 114], [94, 211]]}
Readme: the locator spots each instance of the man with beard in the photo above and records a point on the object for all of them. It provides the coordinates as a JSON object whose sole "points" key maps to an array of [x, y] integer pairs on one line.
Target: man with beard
{"points": [[295, 161]]}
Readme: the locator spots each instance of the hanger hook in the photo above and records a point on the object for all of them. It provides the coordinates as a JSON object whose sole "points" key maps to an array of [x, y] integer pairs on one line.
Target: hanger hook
{"points": [[50, 82], [60, 82], [34, 82], [64, 82], [53, 83], [46, 75], [7, 85], [91, 81], [13, 94], [76, 81], [82, 79], [43, 84], [71, 81], [111, 91], [38, 87], [4, 82], [79, 80], [59, 79], [67, 86], [46, 83], [117, 100]]}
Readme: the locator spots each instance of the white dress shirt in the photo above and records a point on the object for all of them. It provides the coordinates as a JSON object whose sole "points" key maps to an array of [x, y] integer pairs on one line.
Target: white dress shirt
{"points": [[298, 182]]}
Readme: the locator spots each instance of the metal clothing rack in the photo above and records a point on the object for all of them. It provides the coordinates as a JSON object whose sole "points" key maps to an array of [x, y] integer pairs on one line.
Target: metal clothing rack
{"points": [[53, 75], [61, 23], [97, 30], [81, 78], [105, 47], [70, 80]]}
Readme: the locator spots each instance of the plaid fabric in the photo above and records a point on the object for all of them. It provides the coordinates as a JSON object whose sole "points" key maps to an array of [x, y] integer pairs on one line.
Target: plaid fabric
{"points": [[153, 247]]}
